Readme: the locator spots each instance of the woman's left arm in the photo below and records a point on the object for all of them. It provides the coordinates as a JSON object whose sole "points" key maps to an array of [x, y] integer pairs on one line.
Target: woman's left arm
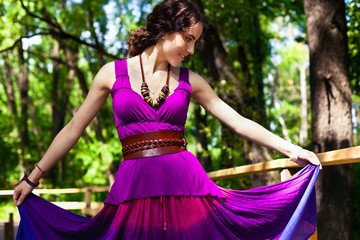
{"points": [[206, 97]]}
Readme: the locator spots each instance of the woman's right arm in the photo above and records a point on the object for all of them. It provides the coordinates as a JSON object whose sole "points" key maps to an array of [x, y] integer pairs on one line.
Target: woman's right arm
{"points": [[203, 93], [70, 134]]}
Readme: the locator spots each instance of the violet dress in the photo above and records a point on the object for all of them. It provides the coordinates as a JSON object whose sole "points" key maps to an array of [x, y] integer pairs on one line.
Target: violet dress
{"points": [[170, 196]]}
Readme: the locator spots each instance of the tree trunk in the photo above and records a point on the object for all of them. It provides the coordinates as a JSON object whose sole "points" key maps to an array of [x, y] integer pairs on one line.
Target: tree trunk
{"points": [[255, 100], [358, 128], [24, 99], [8, 85], [304, 115], [331, 113], [56, 115], [23, 84]]}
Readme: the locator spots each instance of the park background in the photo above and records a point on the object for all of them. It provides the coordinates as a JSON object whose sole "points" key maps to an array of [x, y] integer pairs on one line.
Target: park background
{"points": [[292, 66]]}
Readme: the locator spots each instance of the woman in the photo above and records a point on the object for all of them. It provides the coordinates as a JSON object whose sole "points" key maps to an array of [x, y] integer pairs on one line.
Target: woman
{"points": [[161, 191]]}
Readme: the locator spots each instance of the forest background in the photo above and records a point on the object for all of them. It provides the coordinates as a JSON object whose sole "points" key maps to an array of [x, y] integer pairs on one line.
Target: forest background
{"points": [[255, 55]]}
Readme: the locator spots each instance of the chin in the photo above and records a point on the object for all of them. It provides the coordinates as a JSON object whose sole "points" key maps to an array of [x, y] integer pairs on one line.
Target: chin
{"points": [[175, 63]]}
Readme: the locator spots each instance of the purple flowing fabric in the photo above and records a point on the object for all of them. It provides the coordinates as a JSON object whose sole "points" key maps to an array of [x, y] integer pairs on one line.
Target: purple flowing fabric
{"points": [[170, 196]]}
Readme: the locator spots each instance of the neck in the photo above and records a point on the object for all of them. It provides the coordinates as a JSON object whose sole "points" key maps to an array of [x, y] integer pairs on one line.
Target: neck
{"points": [[153, 59]]}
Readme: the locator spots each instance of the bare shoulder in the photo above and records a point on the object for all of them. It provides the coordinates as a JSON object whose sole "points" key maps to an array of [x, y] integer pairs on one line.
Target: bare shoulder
{"points": [[193, 75], [105, 77], [197, 82]]}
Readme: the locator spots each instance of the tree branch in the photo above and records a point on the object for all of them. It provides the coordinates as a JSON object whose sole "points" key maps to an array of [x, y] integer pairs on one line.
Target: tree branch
{"points": [[62, 35], [59, 32], [42, 55], [56, 25], [22, 37]]}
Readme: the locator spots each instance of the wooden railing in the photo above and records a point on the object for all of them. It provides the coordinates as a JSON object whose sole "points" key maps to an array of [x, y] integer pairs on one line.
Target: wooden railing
{"points": [[89, 208], [342, 156]]}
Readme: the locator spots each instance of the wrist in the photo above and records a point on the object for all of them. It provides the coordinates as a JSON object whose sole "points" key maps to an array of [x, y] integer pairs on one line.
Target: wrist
{"points": [[294, 156], [35, 175], [31, 182], [40, 169]]}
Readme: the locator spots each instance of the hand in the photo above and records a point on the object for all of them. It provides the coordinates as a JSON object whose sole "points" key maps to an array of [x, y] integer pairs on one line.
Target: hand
{"points": [[305, 157], [21, 191]]}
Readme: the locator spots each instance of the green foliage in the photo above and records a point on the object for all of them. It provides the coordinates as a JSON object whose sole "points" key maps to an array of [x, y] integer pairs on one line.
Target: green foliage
{"points": [[91, 157], [8, 156], [353, 16], [292, 56]]}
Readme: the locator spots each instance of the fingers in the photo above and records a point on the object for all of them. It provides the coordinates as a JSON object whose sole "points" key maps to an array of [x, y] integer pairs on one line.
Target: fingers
{"points": [[16, 196], [20, 200], [314, 159], [20, 193], [310, 157]]}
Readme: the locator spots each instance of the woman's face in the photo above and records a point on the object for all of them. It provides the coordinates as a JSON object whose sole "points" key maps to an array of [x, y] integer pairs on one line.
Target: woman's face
{"points": [[178, 45]]}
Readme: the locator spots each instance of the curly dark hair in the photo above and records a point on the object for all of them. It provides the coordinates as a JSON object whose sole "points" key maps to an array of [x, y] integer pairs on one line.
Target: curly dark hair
{"points": [[167, 17]]}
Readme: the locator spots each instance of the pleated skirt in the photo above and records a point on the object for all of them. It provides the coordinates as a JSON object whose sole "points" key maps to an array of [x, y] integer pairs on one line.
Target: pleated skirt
{"points": [[286, 210]]}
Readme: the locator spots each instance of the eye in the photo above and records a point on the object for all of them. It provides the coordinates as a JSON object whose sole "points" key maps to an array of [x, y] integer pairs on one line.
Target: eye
{"points": [[188, 39]]}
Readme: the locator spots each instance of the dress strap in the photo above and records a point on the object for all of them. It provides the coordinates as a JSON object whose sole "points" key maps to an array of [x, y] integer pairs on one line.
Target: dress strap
{"points": [[184, 82], [121, 75], [184, 74], [121, 68]]}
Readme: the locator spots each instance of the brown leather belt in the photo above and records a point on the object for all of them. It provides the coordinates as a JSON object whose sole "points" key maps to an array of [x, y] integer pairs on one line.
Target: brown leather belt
{"points": [[152, 144]]}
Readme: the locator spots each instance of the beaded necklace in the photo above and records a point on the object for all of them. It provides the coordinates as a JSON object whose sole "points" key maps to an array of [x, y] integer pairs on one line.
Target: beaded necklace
{"points": [[145, 89]]}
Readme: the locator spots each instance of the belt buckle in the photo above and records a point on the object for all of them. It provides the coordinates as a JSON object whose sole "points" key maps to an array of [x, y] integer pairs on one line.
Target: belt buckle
{"points": [[185, 143]]}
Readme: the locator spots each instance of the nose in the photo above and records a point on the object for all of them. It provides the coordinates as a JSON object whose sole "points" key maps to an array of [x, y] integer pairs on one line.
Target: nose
{"points": [[191, 49]]}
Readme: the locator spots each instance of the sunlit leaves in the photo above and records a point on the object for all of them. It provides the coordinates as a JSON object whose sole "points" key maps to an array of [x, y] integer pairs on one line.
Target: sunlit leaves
{"points": [[353, 16]]}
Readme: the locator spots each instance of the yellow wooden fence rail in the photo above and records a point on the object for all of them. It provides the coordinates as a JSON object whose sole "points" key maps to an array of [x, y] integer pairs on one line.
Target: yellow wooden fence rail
{"points": [[89, 208], [342, 156]]}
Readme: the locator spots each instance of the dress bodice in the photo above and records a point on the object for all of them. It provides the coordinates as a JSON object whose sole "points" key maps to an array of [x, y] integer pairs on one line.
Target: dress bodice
{"points": [[133, 115]]}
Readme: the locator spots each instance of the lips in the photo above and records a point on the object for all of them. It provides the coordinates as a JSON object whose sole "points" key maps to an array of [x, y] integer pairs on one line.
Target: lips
{"points": [[182, 56]]}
